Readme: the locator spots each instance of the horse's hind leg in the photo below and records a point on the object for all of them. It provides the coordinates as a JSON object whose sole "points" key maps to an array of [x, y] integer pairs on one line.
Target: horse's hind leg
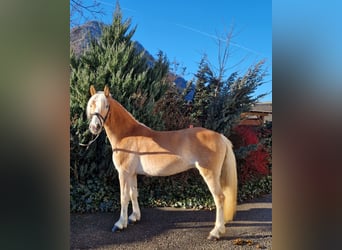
{"points": [[213, 182], [133, 192]]}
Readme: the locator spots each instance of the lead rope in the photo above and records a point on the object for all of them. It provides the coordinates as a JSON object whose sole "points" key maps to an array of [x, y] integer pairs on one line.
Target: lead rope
{"points": [[102, 120], [89, 143]]}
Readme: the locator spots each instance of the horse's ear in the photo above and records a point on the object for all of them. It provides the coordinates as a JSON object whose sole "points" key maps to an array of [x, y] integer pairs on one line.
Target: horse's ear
{"points": [[92, 90], [106, 91]]}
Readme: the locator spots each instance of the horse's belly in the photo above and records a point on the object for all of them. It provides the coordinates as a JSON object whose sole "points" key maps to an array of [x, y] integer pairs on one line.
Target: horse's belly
{"points": [[163, 166]]}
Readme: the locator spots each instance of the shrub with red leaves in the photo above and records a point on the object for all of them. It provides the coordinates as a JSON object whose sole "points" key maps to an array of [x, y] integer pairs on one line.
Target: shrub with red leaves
{"points": [[247, 135], [256, 164]]}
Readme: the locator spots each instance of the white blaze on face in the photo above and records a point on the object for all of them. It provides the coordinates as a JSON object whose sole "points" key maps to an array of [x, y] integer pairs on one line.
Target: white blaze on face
{"points": [[95, 126], [97, 105]]}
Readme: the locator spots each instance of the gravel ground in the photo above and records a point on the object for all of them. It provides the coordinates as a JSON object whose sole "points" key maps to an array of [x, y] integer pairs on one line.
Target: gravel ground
{"points": [[174, 228]]}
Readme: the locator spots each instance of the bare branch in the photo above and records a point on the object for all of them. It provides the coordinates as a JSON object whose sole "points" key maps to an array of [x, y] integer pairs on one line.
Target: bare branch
{"points": [[226, 49], [79, 11]]}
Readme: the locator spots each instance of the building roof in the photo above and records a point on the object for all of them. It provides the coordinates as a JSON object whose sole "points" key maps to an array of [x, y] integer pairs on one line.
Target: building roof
{"points": [[262, 107], [259, 113]]}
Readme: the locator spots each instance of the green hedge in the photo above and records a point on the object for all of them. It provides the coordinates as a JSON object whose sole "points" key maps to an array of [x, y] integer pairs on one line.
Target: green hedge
{"points": [[186, 190]]}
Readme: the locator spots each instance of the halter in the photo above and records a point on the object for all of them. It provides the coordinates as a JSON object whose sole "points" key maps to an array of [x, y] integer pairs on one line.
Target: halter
{"points": [[102, 122], [100, 117]]}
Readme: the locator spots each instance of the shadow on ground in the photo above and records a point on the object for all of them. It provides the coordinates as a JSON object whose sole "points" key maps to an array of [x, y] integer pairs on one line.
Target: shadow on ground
{"points": [[162, 228]]}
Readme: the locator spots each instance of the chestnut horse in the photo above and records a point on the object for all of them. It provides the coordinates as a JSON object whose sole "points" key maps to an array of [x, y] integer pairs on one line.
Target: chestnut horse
{"points": [[138, 149]]}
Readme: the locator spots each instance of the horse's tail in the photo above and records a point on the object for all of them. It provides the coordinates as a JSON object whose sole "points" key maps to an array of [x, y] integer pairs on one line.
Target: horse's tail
{"points": [[228, 181]]}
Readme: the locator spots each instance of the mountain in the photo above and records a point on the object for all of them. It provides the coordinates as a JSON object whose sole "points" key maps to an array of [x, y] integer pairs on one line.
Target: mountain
{"points": [[81, 36], [181, 84]]}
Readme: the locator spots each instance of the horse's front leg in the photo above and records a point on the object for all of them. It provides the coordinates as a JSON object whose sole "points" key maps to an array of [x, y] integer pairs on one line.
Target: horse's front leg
{"points": [[124, 199], [133, 192]]}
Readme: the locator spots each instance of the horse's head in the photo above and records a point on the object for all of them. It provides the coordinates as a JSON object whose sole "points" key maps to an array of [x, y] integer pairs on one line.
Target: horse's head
{"points": [[97, 109]]}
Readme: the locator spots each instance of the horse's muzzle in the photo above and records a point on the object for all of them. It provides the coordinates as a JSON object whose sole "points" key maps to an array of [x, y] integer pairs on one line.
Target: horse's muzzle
{"points": [[95, 125], [95, 129]]}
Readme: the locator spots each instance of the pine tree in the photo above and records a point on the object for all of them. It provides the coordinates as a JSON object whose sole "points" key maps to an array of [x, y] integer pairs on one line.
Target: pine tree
{"points": [[135, 83], [220, 99], [202, 97], [218, 102], [174, 108]]}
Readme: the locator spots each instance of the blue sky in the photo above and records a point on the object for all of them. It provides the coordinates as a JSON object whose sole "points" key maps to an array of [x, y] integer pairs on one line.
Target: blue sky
{"points": [[185, 30]]}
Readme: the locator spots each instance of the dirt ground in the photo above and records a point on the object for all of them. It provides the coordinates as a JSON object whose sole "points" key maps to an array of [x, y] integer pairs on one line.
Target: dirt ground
{"points": [[174, 228]]}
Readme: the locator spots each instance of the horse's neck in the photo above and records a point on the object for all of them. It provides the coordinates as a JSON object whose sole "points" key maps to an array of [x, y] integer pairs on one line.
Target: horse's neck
{"points": [[121, 123]]}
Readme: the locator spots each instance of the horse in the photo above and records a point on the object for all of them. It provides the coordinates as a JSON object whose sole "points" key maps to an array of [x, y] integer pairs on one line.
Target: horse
{"points": [[139, 150]]}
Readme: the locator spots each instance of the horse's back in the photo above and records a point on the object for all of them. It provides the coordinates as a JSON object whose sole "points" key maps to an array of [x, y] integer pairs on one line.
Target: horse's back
{"points": [[195, 138], [194, 145]]}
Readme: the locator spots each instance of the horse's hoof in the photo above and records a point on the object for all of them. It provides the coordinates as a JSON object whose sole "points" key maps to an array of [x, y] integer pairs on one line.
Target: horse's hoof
{"points": [[132, 222], [116, 229], [212, 237]]}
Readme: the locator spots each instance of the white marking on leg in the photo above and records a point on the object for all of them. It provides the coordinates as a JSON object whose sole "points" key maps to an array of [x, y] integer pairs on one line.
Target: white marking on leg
{"points": [[122, 222], [216, 191], [220, 227], [124, 198], [135, 216]]}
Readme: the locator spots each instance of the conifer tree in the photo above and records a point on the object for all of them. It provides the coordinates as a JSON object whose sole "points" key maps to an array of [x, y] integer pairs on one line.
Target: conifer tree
{"points": [[220, 99], [219, 102], [201, 98], [135, 83], [174, 109]]}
